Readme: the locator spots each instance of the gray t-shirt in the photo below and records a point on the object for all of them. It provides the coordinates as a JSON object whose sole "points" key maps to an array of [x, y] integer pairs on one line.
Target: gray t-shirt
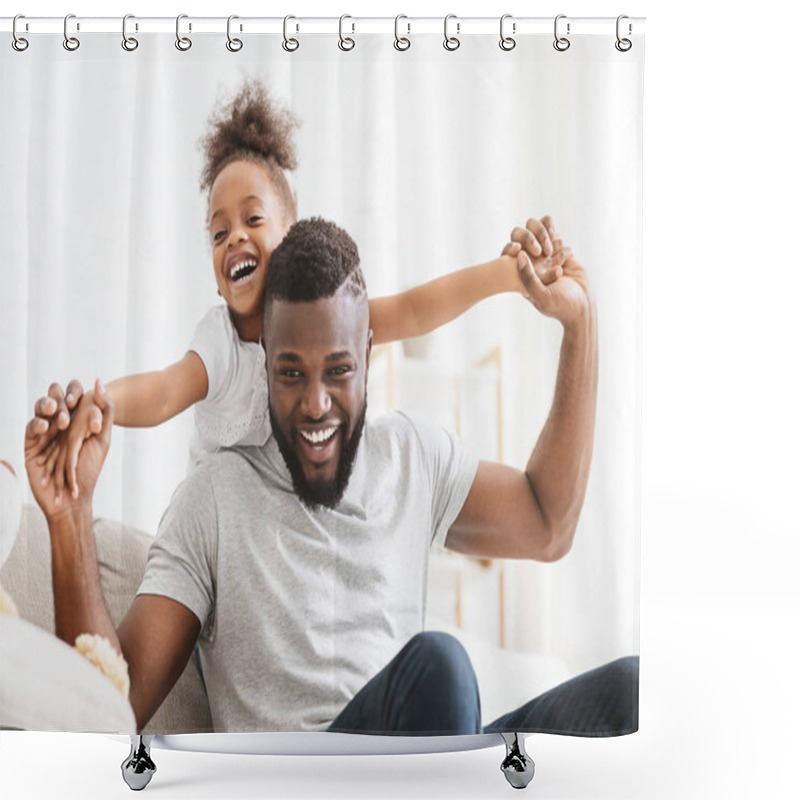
{"points": [[300, 608]]}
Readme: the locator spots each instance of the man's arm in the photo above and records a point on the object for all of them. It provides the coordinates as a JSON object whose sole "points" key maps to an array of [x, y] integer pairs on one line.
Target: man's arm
{"points": [[533, 514], [157, 635]]}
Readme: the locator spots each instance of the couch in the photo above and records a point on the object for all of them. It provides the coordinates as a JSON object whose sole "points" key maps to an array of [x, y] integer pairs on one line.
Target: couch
{"points": [[44, 683]]}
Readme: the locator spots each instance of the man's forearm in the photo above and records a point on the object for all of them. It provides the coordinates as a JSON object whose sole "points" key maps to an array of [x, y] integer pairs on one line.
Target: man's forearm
{"points": [[558, 469], [79, 604]]}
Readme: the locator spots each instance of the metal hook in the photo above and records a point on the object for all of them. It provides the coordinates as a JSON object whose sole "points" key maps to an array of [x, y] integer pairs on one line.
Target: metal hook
{"points": [[128, 42], [401, 42], [70, 42], [346, 43], [507, 42], [234, 45], [561, 43], [623, 45], [289, 44], [18, 42], [451, 42], [183, 43]]}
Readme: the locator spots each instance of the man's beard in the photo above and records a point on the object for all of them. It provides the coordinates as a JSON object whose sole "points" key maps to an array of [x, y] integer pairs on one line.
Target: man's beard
{"points": [[326, 493]]}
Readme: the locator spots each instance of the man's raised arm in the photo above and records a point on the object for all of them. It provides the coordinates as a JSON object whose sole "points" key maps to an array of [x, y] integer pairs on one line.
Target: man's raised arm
{"points": [[533, 514], [158, 634]]}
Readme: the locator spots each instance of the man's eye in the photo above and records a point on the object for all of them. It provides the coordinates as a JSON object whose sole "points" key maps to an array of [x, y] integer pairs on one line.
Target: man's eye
{"points": [[219, 236], [254, 220], [339, 371], [289, 373]]}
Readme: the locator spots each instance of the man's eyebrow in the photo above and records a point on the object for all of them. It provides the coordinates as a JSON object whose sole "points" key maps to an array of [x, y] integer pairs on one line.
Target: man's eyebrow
{"points": [[288, 356], [338, 356]]}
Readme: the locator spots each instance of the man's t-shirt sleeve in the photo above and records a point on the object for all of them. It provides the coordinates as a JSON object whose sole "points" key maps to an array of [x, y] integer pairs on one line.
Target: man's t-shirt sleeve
{"points": [[180, 563], [450, 469]]}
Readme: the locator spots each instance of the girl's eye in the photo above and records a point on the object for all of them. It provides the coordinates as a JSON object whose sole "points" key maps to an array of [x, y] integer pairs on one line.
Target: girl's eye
{"points": [[339, 371], [289, 373], [219, 235], [254, 220]]}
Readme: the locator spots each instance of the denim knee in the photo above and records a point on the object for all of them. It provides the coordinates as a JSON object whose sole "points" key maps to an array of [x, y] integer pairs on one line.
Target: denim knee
{"points": [[447, 661]]}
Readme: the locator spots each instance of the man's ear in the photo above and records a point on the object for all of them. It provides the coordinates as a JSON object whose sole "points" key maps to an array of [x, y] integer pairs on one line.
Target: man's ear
{"points": [[369, 348]]}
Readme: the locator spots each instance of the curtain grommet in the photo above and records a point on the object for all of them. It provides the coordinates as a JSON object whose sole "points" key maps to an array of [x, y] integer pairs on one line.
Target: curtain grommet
{"points": [[561, 43], [507, 43], [289, 44], [71, 43], [129, 43], [233, 44], [401, 43], [346, 43], [183, 43], [19, 43], [451, 43]]}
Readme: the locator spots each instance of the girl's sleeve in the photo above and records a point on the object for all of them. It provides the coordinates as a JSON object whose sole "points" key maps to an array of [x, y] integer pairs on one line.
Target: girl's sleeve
{"points": [[212, 342]]}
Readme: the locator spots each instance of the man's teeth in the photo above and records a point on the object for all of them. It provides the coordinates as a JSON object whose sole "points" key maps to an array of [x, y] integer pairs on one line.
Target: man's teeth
{"points": [[243, 267], [317, 437]]}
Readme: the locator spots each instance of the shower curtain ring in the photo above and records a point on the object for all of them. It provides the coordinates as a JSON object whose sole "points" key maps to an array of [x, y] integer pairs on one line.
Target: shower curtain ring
{"points": [[451, 42], [623, 45], [18, 42], [561, 43], [70, 42], [289, 44], [401, 42], [182, 42], [129, 43], [507, 42], [234, 45], [346, 42]]}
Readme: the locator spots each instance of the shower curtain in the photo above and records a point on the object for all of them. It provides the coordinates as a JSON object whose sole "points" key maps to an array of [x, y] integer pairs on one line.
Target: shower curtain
{"points": [[429, 157]]}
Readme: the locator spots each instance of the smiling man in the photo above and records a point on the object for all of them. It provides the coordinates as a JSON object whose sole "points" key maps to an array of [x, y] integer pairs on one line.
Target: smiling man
{"points": [[299, 567]]}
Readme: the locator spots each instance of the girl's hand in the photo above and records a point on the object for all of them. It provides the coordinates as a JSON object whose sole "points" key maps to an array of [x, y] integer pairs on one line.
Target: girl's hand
{"points": [[59, 459], [544, 248]]}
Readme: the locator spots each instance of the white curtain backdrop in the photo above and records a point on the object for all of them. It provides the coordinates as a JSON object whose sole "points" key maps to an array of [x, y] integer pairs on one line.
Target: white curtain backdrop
{"points": [[428, 159]]}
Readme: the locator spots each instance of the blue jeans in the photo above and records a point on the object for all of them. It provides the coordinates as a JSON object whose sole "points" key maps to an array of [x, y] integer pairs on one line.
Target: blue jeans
{"points": [[429, 689]]}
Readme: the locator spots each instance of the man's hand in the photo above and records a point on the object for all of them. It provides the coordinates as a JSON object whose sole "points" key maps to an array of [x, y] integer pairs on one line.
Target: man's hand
{"points": [[555, 282], [50, 423], [60, 457]]}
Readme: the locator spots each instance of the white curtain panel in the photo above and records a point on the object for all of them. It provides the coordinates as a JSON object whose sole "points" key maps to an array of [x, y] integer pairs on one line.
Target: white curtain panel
{"points": [[428, 158]]}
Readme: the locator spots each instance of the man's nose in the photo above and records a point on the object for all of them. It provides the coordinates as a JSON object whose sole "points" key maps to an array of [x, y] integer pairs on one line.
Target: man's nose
{"points": [[316, 400]]}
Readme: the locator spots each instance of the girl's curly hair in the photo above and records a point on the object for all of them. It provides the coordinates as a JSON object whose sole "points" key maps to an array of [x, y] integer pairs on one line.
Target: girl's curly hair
{"points": [[252, 127]]}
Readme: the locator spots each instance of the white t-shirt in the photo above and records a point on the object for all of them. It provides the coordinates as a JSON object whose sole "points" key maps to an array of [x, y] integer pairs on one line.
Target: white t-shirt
{"points": [[300, 608], [235, 410]]}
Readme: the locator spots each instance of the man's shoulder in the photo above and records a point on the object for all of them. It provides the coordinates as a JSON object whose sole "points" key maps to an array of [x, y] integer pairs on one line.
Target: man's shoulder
{"points": [[407, 431]]}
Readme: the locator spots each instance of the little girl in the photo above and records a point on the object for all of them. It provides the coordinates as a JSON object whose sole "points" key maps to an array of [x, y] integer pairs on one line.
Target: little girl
{"points": [[247, 149]]}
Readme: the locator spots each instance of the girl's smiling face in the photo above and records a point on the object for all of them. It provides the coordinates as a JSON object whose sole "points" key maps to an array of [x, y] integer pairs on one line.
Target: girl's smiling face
{"points": [[247, 222]]}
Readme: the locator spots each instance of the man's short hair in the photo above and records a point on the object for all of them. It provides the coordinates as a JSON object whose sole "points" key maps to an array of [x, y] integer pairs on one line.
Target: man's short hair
{"points": [[315, 260]]}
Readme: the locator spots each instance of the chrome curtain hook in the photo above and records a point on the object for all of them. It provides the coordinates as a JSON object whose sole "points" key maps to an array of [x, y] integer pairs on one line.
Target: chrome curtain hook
{"points": [[346, 43], [401, 43], [182, 42], [623, 45], [70, 42], [18, 42], [289, 44], [561, 43], [451, 42], [234, 45], [129, 43], [507, 42]]}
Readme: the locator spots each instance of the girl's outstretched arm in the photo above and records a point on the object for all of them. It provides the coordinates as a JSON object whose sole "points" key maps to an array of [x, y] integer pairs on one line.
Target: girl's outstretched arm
{"points": [[150, 398], [143, 400], [424, 308]]}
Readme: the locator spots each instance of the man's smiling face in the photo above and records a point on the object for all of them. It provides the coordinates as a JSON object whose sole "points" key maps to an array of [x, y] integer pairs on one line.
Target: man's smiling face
{"points": [[317, 364]]}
